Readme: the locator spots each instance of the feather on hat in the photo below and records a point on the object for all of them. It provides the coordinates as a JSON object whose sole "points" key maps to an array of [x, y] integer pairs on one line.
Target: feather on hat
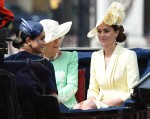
{"points": [[114, 16]]}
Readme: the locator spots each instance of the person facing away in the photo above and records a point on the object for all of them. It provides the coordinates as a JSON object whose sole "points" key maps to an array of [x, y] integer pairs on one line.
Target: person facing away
{"points": [[65, 63], [31, 41], [114, 69]]}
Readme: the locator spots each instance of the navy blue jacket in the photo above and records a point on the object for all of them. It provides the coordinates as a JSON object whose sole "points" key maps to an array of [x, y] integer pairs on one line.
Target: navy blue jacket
{"points": [[23, 55]]}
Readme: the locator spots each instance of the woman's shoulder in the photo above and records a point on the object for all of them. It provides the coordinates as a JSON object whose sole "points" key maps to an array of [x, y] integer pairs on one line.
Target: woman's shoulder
{"points": [[10, 57], [128, 51], [97, 52], [70, 54], [22, 56]]}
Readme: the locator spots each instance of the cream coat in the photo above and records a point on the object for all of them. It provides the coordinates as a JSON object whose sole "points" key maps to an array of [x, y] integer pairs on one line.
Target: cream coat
{"points": [[118, 79]]}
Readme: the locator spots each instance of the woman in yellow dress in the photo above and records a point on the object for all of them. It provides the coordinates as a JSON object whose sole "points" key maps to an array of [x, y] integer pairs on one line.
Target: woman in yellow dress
{"points": [[114, 69]]}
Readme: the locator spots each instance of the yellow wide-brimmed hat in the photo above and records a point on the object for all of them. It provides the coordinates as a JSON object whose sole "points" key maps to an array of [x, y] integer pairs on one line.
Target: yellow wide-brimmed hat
{"points": [[114, 16]]}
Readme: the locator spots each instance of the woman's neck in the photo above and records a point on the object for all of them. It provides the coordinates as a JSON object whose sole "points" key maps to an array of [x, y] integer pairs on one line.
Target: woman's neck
{"points": [[54, 57], [25, 49], [109, 50]]}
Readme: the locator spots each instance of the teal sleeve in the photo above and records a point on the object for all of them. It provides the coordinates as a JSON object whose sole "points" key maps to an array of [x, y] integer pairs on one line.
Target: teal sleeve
{"points": [[71, 87]]}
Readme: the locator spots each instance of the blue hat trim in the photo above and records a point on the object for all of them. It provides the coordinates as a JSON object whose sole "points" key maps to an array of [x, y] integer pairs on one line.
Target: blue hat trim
{"points": [[31, 28]]}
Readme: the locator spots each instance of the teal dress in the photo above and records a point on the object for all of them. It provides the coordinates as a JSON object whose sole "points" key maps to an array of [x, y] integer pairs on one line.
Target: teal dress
{"points": [[66, 72]]}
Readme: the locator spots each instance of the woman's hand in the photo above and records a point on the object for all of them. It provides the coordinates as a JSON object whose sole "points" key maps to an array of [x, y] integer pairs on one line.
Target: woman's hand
{"points": [[86, 104], [114, 102]]}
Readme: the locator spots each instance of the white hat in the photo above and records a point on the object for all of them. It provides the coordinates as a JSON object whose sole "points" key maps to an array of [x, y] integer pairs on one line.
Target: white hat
{"points": [[114, 16], [53, 30]]}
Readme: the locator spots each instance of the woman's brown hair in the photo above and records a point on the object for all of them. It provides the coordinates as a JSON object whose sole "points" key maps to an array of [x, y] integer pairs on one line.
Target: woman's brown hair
{"points": [[121, 36]]}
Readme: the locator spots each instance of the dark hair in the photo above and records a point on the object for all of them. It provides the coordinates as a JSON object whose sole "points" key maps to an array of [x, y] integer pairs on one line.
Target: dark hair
{"points": [[30, 29], [20, 40], [121, 36]]}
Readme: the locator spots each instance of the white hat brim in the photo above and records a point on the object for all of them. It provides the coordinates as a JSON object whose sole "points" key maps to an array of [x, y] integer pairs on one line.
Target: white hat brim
{"points": [[93, 32], [63, 29]]}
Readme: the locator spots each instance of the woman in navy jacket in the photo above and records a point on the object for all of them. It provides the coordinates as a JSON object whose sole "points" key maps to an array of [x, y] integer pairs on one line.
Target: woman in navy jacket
{"points": [[30, 41]]}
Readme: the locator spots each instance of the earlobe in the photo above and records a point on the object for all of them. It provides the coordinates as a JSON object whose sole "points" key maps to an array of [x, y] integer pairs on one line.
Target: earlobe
{"points": [[28, 41], [117, 33]]}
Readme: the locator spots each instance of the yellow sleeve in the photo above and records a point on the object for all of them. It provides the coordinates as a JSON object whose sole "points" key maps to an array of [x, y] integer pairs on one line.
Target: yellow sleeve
{"points": [[132, 73]]}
